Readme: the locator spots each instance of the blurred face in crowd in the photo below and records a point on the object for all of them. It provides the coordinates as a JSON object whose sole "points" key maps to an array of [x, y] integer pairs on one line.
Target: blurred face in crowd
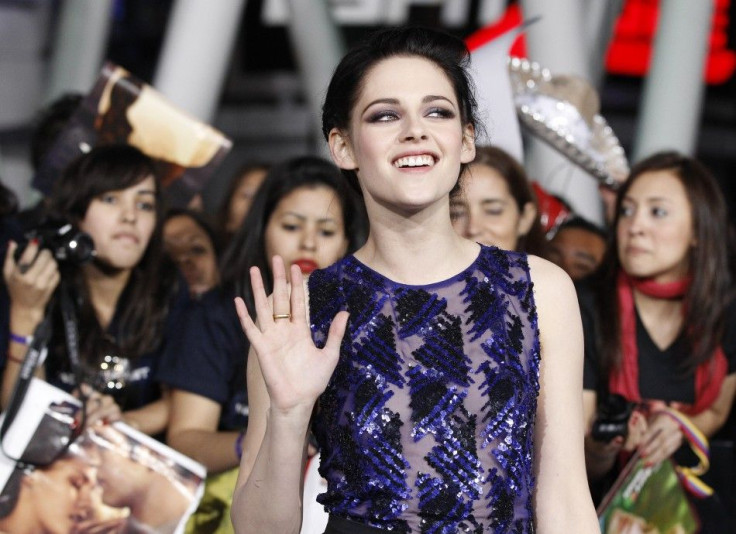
{"points": [[486, 212], [121, 223], [191, 248], [307, 229], [577, 250], [243, 197], [655, 228]]}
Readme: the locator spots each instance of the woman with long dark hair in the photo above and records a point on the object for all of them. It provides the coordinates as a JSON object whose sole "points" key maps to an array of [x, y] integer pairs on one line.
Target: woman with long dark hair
{"points": [[660, 317], [126, 298], [303, 211]]}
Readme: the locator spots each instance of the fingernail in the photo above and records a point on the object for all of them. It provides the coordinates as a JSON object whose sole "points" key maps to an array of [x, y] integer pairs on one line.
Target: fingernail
{"points": [[34, 241]]}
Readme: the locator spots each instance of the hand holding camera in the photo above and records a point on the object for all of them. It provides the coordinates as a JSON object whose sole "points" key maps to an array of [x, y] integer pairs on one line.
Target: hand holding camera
{"points": [[31, 268], [31, 278]]}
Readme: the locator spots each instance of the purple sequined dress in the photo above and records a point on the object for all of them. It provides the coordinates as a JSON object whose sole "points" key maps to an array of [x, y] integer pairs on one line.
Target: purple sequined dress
{"points": [[427, 423]]}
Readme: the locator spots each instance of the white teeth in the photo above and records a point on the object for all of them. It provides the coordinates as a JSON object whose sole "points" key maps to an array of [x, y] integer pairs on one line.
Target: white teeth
{"points": [[415, 161]]}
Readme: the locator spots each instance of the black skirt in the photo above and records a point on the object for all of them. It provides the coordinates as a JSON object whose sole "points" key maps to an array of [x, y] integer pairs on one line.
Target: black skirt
{"points": [[339, 525]]}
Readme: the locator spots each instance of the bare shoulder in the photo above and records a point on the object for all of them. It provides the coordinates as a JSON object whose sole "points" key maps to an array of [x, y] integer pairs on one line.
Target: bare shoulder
{"points": [[550, 281], [560, 327]]}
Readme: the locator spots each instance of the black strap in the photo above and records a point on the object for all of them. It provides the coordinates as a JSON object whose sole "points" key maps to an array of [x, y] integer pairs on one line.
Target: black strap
{"points": [[33, 356]]}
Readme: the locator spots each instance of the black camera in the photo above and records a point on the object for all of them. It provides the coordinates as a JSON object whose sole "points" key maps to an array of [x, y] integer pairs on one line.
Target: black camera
{"points": [[614, 412], [66, 243]]}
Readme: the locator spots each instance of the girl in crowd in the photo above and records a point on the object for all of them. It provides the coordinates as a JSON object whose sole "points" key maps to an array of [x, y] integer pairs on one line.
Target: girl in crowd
{"points": [[453, 403], [191, 242], [239, 197], [495, 204], [128, 298], [305, 213], [659, 322]]}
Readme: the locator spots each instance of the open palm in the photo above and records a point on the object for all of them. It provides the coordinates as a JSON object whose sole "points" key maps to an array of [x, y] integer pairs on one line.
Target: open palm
{"points": [[296, 372]]}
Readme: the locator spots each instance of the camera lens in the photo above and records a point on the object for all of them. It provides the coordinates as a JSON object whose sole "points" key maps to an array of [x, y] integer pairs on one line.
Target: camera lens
{"points": [[78, 248]]}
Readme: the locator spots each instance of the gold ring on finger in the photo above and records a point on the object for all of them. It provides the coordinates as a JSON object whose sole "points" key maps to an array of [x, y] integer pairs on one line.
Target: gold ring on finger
{"points": [[281, 316]]}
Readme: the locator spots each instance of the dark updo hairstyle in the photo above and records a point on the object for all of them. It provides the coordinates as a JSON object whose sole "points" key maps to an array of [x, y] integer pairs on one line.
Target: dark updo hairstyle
{"points": [[248, 246], [444, 50], [112, 168], [711, 289]]}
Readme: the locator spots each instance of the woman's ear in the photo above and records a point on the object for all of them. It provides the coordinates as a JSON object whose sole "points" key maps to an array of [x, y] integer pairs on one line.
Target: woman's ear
{"points": [[467, 153], [527, 217], [340, 150]]}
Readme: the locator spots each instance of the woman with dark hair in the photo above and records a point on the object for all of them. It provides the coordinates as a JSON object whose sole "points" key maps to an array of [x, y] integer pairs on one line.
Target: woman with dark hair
{"points": [[252, 245], [238, 199], [496, 205], [191, 241], [127, 297], [303, 211], [425, 412], [660, 318]]}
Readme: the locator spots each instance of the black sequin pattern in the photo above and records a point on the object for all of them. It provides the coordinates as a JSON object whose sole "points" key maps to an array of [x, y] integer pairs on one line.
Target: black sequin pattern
{"points": [[426, 425]]}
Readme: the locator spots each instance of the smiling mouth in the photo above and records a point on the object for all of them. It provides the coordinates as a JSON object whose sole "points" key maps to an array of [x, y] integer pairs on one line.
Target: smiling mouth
{"points": [[424, 160]]}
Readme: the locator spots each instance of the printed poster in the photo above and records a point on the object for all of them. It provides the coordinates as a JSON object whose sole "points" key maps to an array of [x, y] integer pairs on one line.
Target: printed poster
{"points": [[647, 500], [120, 108], [112, 479]]}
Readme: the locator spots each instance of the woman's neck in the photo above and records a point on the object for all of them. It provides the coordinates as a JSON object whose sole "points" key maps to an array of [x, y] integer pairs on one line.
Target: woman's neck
{"points": [[662, 318], [105, 288], [416, 249]]}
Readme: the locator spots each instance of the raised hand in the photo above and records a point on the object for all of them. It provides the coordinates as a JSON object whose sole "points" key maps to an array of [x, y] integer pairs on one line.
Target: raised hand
{"points": [[295, 371]]}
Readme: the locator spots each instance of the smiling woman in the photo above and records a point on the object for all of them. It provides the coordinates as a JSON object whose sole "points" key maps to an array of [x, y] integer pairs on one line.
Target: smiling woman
{"points": [[439, 376], [127, 299], [496, 204]]}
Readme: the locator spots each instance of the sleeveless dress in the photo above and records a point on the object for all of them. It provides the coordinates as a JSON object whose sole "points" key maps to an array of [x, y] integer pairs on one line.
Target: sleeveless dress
{"points": [[427, 423]]}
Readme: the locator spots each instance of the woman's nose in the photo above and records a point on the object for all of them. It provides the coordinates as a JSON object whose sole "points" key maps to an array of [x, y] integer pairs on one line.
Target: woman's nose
{"points": [[473, 228], [308, 240], [129, 213], [413, 129], [635, 223]]}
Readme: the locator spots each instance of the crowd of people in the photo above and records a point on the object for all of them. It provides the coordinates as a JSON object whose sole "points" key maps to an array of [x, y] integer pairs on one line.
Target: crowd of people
{"points": [[398, 310]]}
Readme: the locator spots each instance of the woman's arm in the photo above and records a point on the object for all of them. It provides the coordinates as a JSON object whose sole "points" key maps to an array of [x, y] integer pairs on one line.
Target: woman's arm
{"points": [[711, 420], [193, 431], [30, 282], [664, 435], [286, 373], [562, 498], [151, 419]]}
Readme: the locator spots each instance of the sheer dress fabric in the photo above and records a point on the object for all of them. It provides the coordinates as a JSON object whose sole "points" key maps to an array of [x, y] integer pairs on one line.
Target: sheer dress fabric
{"points": [[427, 423]]}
